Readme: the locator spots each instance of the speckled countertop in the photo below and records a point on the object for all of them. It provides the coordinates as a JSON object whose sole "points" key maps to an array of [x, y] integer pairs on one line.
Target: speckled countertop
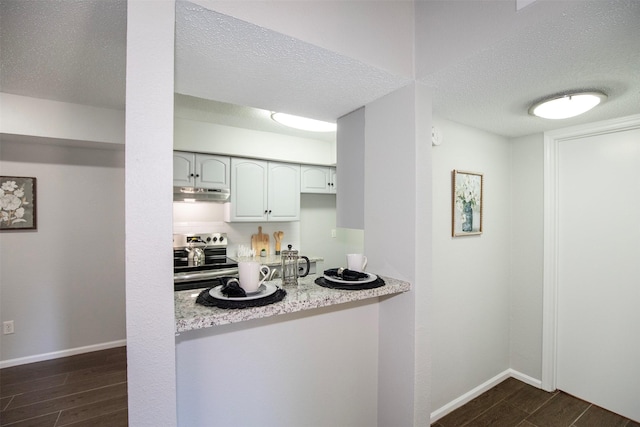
{"points": [[306, 296]]}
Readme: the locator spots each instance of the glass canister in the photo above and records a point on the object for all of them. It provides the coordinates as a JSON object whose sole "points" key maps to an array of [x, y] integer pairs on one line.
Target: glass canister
{"points": [[290, 268]]}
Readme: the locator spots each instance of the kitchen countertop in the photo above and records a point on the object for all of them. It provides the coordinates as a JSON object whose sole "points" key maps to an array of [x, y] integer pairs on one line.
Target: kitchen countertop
{"points": [[306, 296], [272, 260]]}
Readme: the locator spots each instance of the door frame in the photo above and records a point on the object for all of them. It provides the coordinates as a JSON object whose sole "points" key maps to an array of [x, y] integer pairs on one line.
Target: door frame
{"points": [[552, 141]]}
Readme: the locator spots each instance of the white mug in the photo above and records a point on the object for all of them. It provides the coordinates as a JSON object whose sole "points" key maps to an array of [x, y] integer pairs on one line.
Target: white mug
{"points": [[356, 262], [249, 272]]}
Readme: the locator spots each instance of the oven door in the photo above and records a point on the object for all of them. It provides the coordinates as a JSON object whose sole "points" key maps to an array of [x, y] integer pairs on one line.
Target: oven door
{"points": [[203, 279]]}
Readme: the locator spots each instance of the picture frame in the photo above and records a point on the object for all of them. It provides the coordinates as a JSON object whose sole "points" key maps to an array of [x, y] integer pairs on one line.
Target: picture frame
{"points": [[467, 203], [18, 203]]}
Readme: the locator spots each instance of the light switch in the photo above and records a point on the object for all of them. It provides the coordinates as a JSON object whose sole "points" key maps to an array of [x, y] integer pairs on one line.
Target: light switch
{"points": [[436, 136]]}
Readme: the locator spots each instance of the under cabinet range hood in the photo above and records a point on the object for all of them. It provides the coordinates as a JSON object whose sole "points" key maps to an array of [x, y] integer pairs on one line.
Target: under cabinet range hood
{"points": [[191, 194]]}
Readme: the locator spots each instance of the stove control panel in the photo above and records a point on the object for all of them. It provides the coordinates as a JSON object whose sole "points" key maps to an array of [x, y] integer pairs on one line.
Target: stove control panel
{"points": [[199, 240]]}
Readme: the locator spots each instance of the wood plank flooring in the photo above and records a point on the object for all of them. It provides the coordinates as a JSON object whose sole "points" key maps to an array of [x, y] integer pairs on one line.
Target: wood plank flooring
{"points": [[513, 403], [84, 390], [90, 390]]}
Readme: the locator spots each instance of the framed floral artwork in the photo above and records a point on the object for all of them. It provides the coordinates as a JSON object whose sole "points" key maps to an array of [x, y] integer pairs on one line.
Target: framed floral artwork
{"points": [[17, 203], [467, 203]]}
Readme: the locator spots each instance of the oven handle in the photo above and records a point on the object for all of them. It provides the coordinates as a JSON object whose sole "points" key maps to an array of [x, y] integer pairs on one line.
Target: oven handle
{"points": [[202, 275]]}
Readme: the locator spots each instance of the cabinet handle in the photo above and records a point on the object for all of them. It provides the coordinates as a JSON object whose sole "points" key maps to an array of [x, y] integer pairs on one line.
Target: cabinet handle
{"points": [[191, 175]]}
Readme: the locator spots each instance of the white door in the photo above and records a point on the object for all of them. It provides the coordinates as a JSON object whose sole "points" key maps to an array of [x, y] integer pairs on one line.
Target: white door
{"points": [[598, 341]]}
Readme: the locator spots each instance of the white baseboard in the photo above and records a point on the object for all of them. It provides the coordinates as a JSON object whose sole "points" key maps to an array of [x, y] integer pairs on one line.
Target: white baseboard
{"points": [[61, 353], [525, 378], [472, 394]]}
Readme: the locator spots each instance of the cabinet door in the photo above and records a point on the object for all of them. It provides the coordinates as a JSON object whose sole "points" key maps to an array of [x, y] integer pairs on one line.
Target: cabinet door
{"points": [[183, 169], [284, 192], [248, 190], [333, 180], [315, 179], [212, 171]]}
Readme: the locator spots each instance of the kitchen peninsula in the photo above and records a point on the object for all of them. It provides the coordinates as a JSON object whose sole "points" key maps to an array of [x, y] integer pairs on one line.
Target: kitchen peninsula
{"points": [[306, 296]]}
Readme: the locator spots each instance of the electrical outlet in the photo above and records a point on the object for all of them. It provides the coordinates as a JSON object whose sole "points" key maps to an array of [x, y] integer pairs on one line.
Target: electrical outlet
{"points": [[333, 233], [7, 327]]}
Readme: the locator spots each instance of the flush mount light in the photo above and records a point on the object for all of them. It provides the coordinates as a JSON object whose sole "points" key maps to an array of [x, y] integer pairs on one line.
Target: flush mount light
{"points": [[303, 123], [565, 106]]}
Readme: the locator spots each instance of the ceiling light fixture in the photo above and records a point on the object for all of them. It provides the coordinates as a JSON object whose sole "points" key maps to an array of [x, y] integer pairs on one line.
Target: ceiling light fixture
{"points": [[303, 123], [565, 106]]}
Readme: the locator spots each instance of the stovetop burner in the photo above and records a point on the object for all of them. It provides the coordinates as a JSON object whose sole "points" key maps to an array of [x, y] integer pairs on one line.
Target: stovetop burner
{"points": [[191, 274]]}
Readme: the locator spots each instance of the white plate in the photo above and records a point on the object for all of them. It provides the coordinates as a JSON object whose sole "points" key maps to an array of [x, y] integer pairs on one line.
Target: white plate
{"points": [[371, 278], [264, 290]]}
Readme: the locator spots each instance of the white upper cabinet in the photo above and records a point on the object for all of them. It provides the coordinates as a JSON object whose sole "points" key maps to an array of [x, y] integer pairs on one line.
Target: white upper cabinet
{"points": [[263, 191], [317, 179], [184, 166], [212, 171], [334, 180], [200, 170], [284, 192]]}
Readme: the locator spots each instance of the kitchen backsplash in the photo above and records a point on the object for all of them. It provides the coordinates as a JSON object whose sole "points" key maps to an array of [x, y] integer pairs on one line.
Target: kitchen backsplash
{"points": [[208, 217], [315, 234]]}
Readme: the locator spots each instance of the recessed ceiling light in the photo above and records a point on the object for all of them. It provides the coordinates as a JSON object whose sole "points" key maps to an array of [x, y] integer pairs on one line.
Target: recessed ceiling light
{"points": [[565, 106], [303, 123]]}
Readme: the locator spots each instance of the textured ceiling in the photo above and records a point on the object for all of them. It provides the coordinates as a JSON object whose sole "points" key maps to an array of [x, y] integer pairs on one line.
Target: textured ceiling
{"points": [[594, 45], [74, 51], [265, 69], [70, 51]]}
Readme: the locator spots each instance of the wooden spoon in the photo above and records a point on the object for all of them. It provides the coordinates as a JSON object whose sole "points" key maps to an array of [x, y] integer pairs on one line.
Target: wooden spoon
{"points": [[278, 236]]}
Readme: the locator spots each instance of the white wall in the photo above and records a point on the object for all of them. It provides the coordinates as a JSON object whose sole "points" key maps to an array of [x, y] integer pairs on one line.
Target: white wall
{"points": [[526, 251], [151, 374], [33, 117], [317, 220], [350, 149], [397, 184], [204, 137], [63, 284], [470, 274], [316, 368]]}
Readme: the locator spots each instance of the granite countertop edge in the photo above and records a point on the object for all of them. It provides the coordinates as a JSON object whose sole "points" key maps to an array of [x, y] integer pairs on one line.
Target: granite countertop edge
{"points": [[306, 296]]}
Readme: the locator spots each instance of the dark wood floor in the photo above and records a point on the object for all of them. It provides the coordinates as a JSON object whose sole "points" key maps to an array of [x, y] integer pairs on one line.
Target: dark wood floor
{"points": [[90, 390], [85, 390], [513, 403]]}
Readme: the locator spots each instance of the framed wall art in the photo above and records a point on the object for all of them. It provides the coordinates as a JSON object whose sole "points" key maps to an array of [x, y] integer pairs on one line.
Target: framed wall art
{"points": [[467, 203], [17, 203]]}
